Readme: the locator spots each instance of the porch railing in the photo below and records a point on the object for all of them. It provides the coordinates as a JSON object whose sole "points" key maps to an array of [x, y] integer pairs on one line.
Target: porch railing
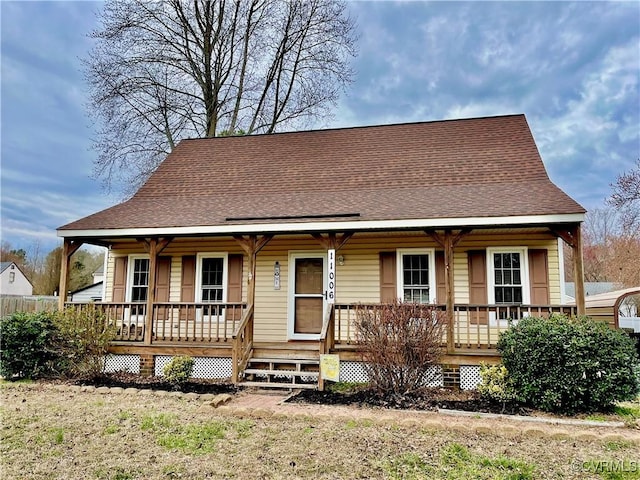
{"points": [[475, 326], [172, 322], [195, 322], [242, 346]]}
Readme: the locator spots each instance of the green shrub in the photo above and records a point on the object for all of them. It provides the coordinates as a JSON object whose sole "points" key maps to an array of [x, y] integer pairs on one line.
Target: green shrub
{"points": [[82, 341], [569, 365], [27, 345], [495, 383], [178, 370]]}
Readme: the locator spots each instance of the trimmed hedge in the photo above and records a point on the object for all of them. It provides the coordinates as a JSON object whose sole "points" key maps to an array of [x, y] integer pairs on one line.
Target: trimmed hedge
{"points": [[567, 365]]}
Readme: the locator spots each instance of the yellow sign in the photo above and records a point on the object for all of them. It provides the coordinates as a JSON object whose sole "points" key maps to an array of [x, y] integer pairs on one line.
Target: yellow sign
{"points": [[330, 367]]}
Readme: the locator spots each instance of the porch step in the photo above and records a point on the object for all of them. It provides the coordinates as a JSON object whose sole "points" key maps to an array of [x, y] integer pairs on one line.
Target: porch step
{"points": [[289, 373]]}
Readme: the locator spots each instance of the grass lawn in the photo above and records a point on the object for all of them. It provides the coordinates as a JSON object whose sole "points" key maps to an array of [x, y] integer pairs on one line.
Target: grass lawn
{"points": [[52, 434]]}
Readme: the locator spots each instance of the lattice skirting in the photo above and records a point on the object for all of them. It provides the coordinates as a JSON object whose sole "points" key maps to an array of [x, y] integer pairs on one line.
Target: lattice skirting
{"points": [[469, 377], [203, 367], [355, 372], [122, 363]]}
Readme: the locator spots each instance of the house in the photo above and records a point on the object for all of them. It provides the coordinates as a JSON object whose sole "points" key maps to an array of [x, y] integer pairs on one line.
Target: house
{"points": [[90, 293], [13, 281], [254, 254]]}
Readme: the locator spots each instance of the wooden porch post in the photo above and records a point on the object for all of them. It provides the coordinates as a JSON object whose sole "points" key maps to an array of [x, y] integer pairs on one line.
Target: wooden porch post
{"points": [[153, 246], [578, 270], [448, 242], [151, 291], [573, 237], [69, 247], [449, 288]]}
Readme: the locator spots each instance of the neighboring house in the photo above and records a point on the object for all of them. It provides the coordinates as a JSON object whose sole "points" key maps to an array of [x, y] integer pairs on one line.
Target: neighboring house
{"points": [[13, 281], [254, 253], [591, 288], [90, 293]]}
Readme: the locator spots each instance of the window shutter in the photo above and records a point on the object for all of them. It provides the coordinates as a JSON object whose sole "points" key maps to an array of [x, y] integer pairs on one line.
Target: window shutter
{"points": [[234, 285], [163, 279], [441, 289], [188, 283], [234, 279], [388, 290], [478, 284], [539, 277], [120, 279]]}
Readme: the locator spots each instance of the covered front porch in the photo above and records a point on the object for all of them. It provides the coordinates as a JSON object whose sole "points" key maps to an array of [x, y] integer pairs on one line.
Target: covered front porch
{"points": [[161, 325]]}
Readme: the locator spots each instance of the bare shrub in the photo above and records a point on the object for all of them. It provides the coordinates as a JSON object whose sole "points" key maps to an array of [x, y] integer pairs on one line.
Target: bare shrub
{"points": [[400, 344], [83, 341]]}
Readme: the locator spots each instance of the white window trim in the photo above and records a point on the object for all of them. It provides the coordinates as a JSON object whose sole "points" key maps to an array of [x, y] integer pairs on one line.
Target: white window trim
{"points": [[491, 283], [293, 255], [225, 273], [431, 254], [130, 265]]}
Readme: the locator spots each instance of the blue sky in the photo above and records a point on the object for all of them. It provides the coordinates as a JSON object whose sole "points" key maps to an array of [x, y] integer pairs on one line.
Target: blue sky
{"points": [[572, 68]]}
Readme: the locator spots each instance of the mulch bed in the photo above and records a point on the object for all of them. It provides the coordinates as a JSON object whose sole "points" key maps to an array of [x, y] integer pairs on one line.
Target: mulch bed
{"points": [[130, 380], [425, 399]]}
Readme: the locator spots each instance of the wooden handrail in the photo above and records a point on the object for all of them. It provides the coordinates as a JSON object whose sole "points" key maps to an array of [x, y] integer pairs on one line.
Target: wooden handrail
{"points": [[243, 321], [327, 337], [242, 346]]}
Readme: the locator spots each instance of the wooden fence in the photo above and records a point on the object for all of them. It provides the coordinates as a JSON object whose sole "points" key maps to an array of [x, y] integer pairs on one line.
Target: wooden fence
{"points": [[28, 303]]}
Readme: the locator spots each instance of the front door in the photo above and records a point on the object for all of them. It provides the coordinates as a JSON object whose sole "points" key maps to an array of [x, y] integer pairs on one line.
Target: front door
{"points": [[306, 293]]}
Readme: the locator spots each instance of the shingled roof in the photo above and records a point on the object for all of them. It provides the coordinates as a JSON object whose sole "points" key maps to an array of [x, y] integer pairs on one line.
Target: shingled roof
{"points": [[455, 169]]}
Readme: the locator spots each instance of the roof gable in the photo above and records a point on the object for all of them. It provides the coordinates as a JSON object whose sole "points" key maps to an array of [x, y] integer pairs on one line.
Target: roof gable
{"points": [[485, 167]]}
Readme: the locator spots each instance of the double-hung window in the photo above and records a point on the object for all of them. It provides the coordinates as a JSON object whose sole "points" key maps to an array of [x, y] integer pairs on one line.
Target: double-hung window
{"points": [[507, 271], [508, 275], [211, 278], [138, 279], [416, 275], [211, 285]]}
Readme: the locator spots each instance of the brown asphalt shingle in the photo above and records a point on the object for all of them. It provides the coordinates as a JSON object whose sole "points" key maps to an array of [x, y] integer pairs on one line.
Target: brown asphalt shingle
{"points": [[481, 167]]}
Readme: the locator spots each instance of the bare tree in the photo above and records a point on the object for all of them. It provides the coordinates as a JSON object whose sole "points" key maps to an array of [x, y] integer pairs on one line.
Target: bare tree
{"points": [[626, 197], [164, 71]]}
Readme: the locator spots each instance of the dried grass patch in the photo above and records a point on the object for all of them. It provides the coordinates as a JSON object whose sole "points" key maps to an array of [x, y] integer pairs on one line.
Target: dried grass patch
{"points": [[47, 433]]}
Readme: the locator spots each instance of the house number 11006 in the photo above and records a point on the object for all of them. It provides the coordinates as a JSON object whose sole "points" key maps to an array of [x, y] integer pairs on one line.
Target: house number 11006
{"points": [[331, 277]]}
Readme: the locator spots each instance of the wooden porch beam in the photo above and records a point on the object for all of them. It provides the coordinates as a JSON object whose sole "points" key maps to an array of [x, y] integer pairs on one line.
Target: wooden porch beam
{"points": [[332, 240], [440, 239], [251, 246], [160, 244], [69, 247]]}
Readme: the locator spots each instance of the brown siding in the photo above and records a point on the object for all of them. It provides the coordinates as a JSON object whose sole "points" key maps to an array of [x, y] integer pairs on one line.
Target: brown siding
{"points": [[120, 279], [478, 283], [441, 289], [539, 276], [388, 290], [188, 284]]}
